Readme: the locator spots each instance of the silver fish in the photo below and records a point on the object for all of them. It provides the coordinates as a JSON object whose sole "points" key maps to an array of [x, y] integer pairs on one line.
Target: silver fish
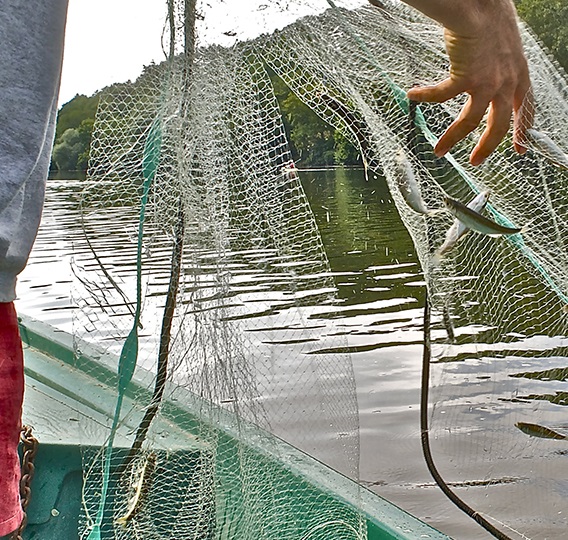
{"points": [[141, 489], [459, 229], [534, 430], [475, 221], [408, 185], [547, 147]]}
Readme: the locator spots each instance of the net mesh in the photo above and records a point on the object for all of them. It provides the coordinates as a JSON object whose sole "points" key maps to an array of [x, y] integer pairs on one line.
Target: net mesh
{"points": [[228, 231]]}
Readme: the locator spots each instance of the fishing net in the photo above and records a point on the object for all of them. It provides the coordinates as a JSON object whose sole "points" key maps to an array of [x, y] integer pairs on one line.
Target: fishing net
{"points": [[215, 284]]}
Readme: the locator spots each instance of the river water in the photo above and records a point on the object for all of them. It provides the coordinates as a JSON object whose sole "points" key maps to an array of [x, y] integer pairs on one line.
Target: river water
{"points": [[381, 293]]}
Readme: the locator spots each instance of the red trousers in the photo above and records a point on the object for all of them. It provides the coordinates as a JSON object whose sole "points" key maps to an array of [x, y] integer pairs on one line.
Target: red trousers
{"points": [[11, 398]]}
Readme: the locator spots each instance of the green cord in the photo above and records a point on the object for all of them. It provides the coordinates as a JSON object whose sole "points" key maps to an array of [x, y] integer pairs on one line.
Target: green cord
{"points": [[129, 353]]}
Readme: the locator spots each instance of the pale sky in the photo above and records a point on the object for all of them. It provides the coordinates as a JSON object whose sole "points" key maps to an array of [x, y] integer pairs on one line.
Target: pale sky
{"points": [[109, 41]]}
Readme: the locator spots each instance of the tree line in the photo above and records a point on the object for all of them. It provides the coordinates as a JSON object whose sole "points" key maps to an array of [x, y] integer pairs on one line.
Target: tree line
{"points": [[313, 142]]}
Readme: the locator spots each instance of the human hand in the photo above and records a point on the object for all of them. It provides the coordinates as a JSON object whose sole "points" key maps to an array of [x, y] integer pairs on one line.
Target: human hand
{"points": [[487, 62]]}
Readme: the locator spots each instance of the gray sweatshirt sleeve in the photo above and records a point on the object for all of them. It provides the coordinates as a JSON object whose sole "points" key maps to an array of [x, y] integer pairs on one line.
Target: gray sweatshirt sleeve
{"points": [[31, 53]]}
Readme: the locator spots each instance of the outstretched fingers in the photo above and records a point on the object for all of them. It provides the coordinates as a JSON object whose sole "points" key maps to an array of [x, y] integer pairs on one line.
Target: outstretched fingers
{"points": [[498, 123], [498, 120], [469, 118]]}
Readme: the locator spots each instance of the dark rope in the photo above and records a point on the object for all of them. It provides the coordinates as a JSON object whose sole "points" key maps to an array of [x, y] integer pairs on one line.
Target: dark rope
{"points": [[426, 355], [165, 339], [412, 129], [177, 249], [352, 119]]}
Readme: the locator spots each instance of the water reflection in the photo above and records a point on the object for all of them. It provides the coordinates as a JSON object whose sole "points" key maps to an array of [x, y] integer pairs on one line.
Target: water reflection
{"points": [[375, 315], [370, 253], [366, 243]]}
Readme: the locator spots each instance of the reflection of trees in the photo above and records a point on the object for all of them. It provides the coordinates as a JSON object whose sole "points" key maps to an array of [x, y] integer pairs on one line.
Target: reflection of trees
{"points": [[558, 398], [553, 374]]}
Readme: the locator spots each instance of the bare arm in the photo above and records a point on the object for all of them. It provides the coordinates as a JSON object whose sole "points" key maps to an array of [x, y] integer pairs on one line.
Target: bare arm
{"points": [[487, 62]]}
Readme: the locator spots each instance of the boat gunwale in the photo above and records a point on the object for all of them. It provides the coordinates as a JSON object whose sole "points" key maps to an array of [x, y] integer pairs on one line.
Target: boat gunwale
{"points": [[378, 512]]}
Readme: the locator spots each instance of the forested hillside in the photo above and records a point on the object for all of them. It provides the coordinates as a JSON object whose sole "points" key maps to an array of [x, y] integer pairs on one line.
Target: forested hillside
{"points": [[313, 142]]}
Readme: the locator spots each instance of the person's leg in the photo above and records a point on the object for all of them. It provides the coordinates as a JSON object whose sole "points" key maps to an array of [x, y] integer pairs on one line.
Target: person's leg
{"points": [[11, 398]]}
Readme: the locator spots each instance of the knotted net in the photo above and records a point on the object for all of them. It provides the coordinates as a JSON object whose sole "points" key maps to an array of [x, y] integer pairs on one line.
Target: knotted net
{"points": [[225, 292]]}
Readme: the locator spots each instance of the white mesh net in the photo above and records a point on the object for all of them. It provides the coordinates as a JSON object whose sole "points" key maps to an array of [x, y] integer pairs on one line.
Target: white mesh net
{"points": [[226, 215]]}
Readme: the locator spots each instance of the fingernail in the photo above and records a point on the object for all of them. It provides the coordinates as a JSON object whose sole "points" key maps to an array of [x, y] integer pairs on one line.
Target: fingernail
{"points": [[476, 160]]}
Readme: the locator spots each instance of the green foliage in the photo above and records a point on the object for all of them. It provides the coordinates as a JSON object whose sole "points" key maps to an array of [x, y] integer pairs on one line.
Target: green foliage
{"points": [[311, 136], [73, 132], [314, 143], [76, 118], [71, 150], [548, 19], [74, 112], [85, 132], [345, 153]]}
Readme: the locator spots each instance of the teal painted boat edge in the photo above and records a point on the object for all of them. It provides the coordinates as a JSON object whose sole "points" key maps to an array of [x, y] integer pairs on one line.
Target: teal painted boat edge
{"points": [[383, 518]]}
